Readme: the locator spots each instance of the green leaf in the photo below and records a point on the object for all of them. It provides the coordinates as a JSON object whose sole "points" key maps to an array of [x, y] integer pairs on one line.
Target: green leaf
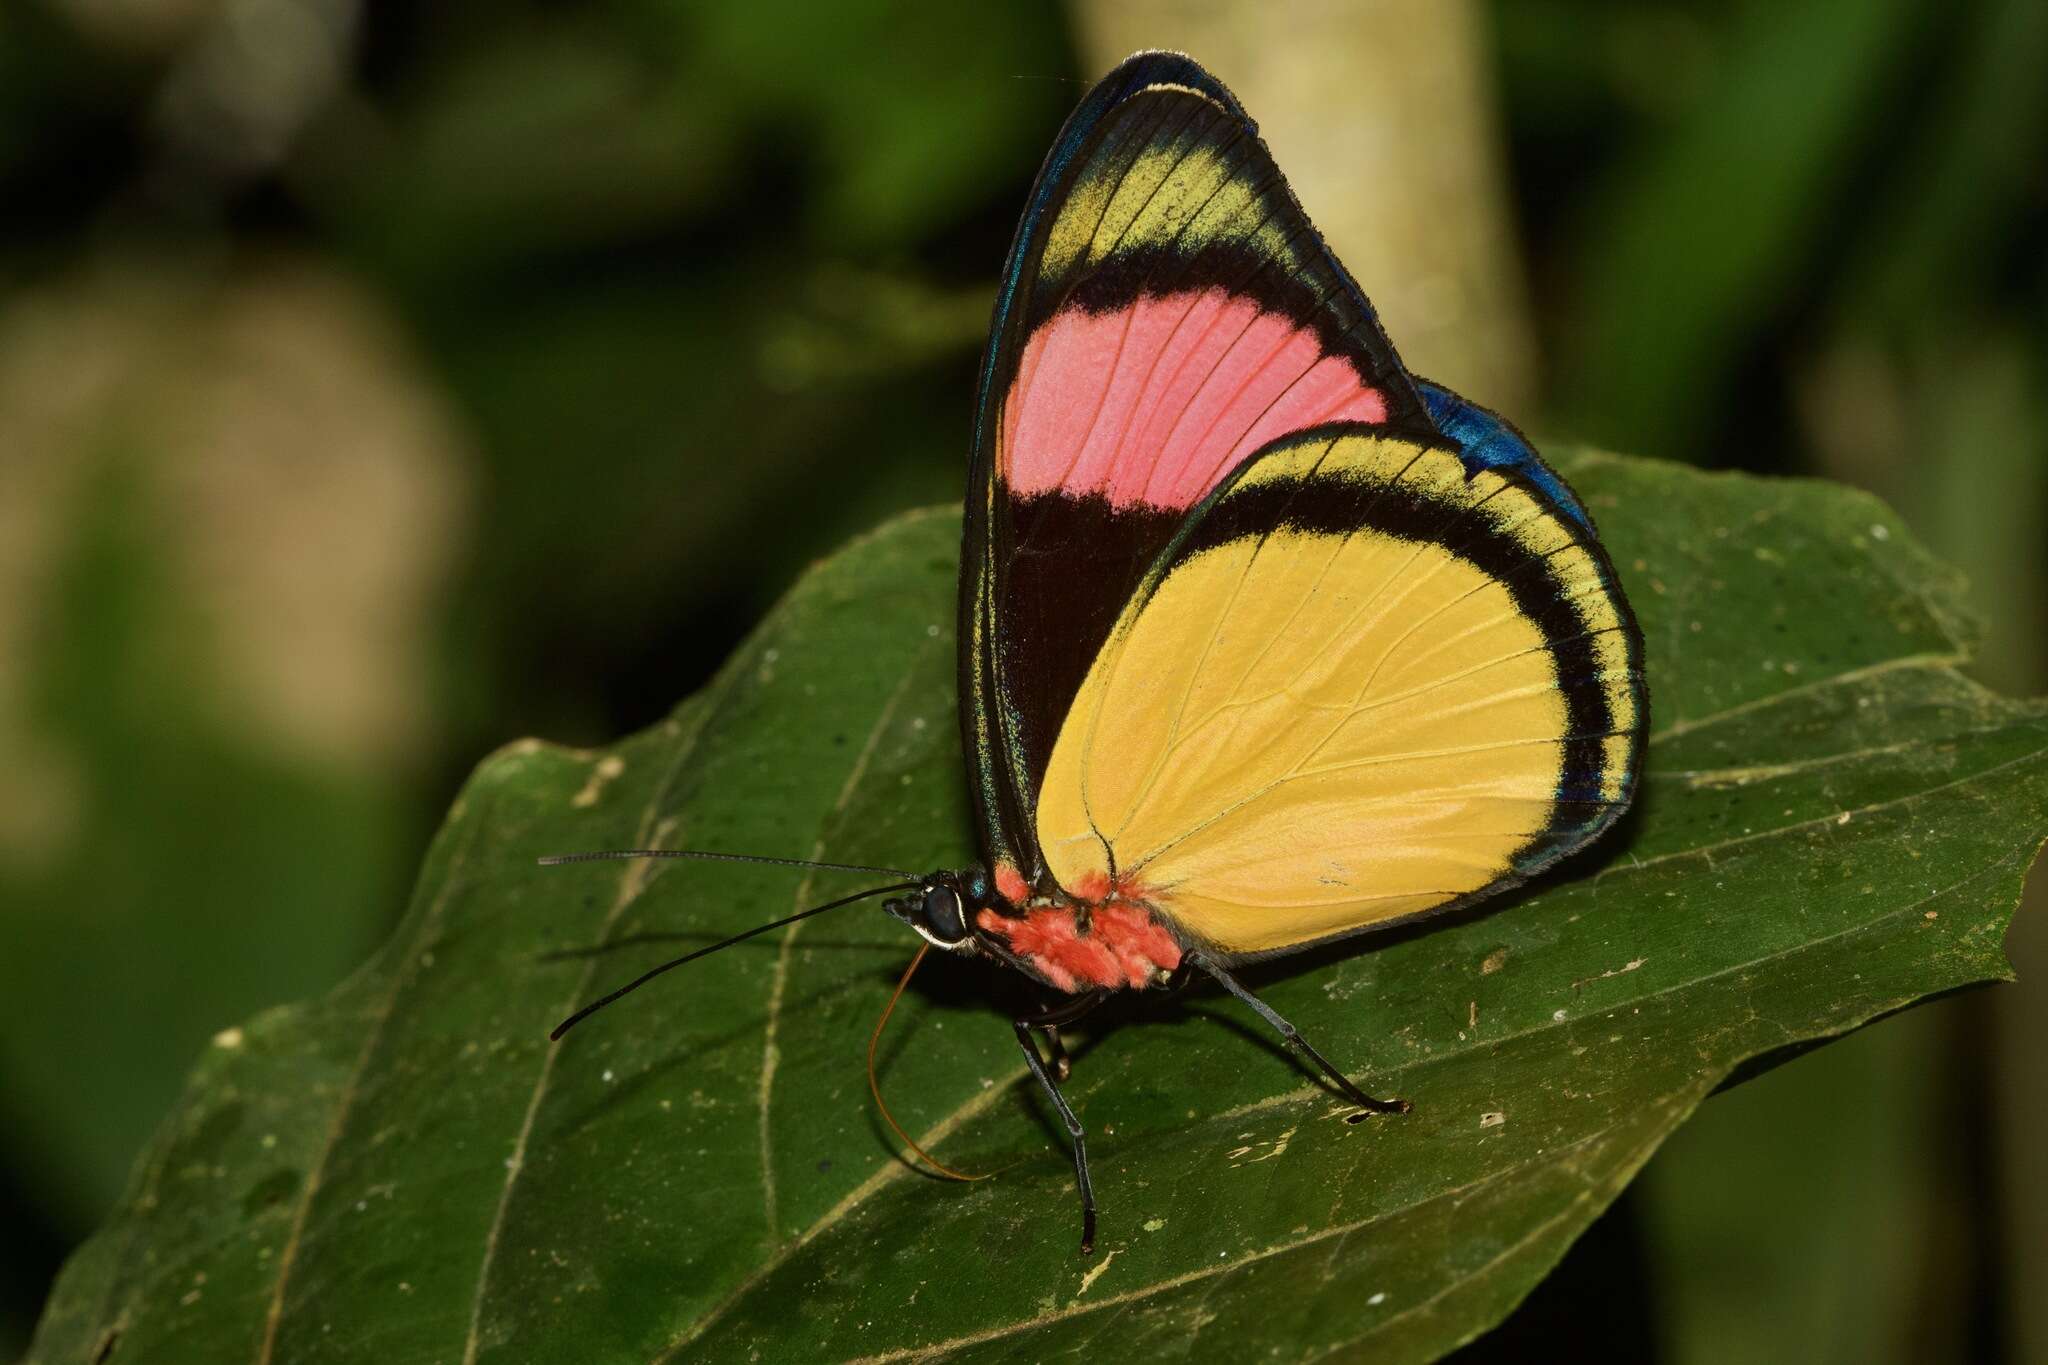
{"points": [[1835, 824]]}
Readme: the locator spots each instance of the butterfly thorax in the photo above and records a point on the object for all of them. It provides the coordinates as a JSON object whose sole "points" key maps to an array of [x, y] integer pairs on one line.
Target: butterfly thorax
{"points": [[1101, 935]]}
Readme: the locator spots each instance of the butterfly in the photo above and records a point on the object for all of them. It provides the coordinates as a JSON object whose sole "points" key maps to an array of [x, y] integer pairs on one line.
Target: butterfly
{"points": [[1264, 642]]}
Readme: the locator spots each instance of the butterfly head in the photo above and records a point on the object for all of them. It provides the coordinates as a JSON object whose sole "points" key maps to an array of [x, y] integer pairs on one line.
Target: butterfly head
{"points": [[942, 908]]}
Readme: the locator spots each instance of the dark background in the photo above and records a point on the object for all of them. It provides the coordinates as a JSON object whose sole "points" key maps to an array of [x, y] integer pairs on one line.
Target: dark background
{"points": [[380, 383]]}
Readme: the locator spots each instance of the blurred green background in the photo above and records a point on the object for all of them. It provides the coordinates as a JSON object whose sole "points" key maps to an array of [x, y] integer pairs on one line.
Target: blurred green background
{"points": [[382, 382]]}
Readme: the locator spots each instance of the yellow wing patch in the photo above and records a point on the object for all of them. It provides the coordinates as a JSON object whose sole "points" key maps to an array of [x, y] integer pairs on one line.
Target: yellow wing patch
{"points": [[1306, 729]]}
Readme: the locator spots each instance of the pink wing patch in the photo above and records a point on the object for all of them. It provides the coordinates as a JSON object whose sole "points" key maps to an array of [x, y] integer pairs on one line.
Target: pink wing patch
{"points": [[1156, 402]]}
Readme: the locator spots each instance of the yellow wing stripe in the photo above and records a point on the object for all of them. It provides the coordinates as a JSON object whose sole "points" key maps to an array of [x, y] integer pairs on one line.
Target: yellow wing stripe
{"points": [[1185, 185]]}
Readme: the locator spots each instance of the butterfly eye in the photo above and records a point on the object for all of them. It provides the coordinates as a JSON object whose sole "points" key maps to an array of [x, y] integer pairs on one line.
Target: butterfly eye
{"points": [[942, 915]]}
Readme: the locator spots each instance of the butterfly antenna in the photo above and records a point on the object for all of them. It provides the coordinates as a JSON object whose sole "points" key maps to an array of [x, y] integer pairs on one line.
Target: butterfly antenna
{"points": [[557, 859], [637, 982], [874, 1087]]}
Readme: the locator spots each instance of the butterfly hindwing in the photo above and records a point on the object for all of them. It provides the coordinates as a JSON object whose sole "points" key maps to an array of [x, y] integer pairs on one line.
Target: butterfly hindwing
{"points": [[1166, 311], [1372, 677]]}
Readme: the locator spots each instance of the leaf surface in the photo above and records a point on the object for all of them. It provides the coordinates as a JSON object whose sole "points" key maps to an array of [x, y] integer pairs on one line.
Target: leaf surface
{"points": [[1835, 823]]}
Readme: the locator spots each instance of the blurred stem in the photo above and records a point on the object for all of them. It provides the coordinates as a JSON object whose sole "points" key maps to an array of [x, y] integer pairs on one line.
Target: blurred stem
{"points": [[1972, 165], [1382, 117], [1982, 480]]}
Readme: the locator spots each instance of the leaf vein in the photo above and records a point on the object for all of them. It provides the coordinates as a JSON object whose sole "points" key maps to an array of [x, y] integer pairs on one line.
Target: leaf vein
{"points": [[1818, 821], [1948, 660], [770, 1053], [632, 882], [403, 974]]}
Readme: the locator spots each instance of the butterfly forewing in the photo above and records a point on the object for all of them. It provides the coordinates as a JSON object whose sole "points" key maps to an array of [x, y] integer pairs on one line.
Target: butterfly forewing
{"points": [[1167, 311]]}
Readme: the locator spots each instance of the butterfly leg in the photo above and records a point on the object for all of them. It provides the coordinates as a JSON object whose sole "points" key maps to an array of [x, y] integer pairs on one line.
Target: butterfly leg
{"points": [[1301, 1045], [1062, 1064], [1049, 1020], [1074, 1129]]}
